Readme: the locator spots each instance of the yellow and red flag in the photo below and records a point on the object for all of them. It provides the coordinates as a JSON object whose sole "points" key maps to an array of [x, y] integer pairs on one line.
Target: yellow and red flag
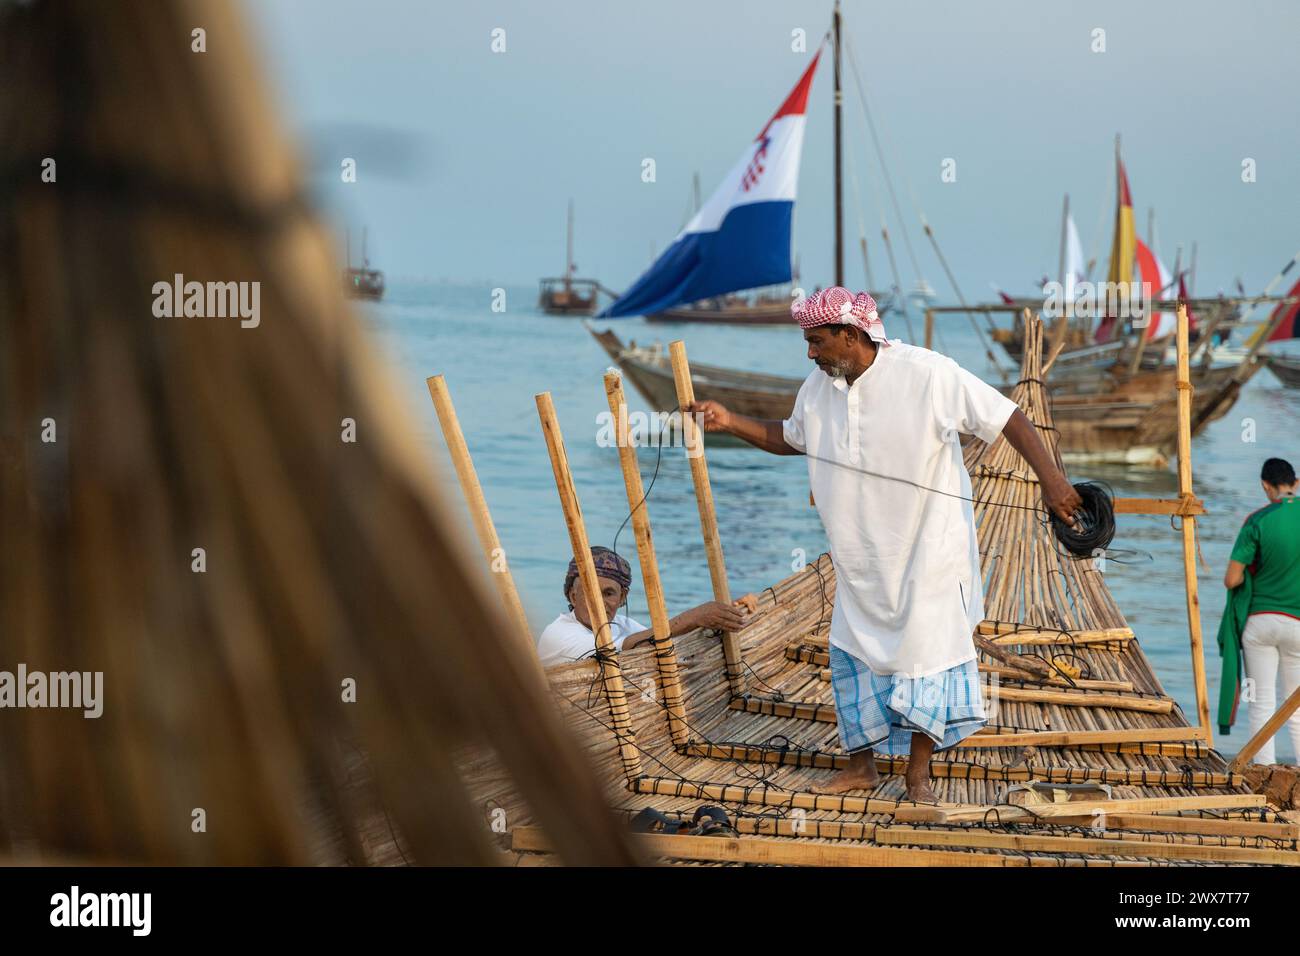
{"points": [[1124, 246]]}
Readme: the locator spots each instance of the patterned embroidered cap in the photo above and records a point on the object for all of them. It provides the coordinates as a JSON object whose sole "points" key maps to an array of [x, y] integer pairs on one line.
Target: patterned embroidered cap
{"points": [[608, 565]]}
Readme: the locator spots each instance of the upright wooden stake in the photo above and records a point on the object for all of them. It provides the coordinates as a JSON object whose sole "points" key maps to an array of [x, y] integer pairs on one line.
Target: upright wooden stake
{"points": [[929, 328], [708, 518], [1189, 524], [670, 683], [1271, 726], [611, 674], [493, 553]]}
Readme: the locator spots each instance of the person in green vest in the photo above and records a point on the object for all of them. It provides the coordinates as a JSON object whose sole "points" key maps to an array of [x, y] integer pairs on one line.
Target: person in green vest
{"points": [[1263, 579]]}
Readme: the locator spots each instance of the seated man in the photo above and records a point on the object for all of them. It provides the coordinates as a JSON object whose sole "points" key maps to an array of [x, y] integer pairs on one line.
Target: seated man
{"points": [[569, 637]]}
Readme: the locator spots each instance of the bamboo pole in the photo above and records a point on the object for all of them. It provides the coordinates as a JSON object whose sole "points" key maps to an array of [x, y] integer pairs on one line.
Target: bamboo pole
{"points": [[611, 673], [1159, 506], [1075, 808], [670, 683], [1274, 724], [708, 517], [929, 328], [965, 770], [479, 513], [1189, 525]]}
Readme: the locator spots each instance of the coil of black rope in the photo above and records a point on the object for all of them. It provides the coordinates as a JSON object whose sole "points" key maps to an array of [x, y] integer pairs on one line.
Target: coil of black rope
{"points": [[1094, 521]]}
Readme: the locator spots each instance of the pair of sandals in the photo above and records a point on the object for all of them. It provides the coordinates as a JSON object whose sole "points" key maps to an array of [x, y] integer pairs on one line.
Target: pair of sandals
{"points": [[708, 821]]}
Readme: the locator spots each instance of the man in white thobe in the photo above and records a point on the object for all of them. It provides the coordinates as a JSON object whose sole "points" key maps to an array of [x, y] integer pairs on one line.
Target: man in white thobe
{"points": [[880, 422]]}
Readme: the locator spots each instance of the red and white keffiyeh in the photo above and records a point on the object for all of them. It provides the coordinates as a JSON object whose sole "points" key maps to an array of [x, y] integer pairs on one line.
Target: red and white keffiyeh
{"points": [[838, 306]]}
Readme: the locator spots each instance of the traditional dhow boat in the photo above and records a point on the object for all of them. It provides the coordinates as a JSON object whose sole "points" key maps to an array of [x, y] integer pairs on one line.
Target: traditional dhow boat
{"points": [[363, 283], [568, 295], [1086, 760]]}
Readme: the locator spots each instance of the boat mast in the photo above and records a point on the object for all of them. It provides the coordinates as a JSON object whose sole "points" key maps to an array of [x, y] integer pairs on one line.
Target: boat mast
{"points": [[568, 251], [347, 238], [365, 258], [839, 184], [697, 191]]}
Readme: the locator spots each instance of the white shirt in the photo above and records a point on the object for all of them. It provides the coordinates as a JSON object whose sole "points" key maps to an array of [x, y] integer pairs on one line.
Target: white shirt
{"points": [[908, 591], [568, 639]]}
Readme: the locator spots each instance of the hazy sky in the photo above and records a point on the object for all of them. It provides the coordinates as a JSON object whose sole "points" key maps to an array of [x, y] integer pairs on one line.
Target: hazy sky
{"points": [[466, 158]]}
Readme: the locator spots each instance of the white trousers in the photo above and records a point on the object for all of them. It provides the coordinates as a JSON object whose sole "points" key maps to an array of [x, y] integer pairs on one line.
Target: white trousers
{"points": [[1272, 642]]}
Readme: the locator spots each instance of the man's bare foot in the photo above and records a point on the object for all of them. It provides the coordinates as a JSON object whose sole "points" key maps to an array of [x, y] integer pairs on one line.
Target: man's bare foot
{"points": [[921, 792], [847, 780]]}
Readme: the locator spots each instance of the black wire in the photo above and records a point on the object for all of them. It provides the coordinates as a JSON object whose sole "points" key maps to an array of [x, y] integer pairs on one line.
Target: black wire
{"points": [[1097, 516], [659, 457]]}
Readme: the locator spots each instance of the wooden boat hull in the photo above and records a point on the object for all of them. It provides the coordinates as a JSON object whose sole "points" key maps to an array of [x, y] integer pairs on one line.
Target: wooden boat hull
{"points": [[560, 296], [559, 304], [364, 284], [1286, 369], [753, 394], [763, 313]]}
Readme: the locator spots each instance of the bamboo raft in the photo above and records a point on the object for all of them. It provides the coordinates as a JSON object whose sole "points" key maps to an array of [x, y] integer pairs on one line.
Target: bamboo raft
{"points": [[746, 722]]}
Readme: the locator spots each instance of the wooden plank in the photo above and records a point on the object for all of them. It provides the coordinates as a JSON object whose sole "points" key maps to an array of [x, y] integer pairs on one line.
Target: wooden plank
{"points": [[911, 813], [825, 713], [1163, 824], [1074, 738], [1114, 845], [969, 771], [1271, 726], [762, 796], [1003, 628], [1209, 826], [1159, 506], [1069, 698], [1040, 636], [778, 852]]}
